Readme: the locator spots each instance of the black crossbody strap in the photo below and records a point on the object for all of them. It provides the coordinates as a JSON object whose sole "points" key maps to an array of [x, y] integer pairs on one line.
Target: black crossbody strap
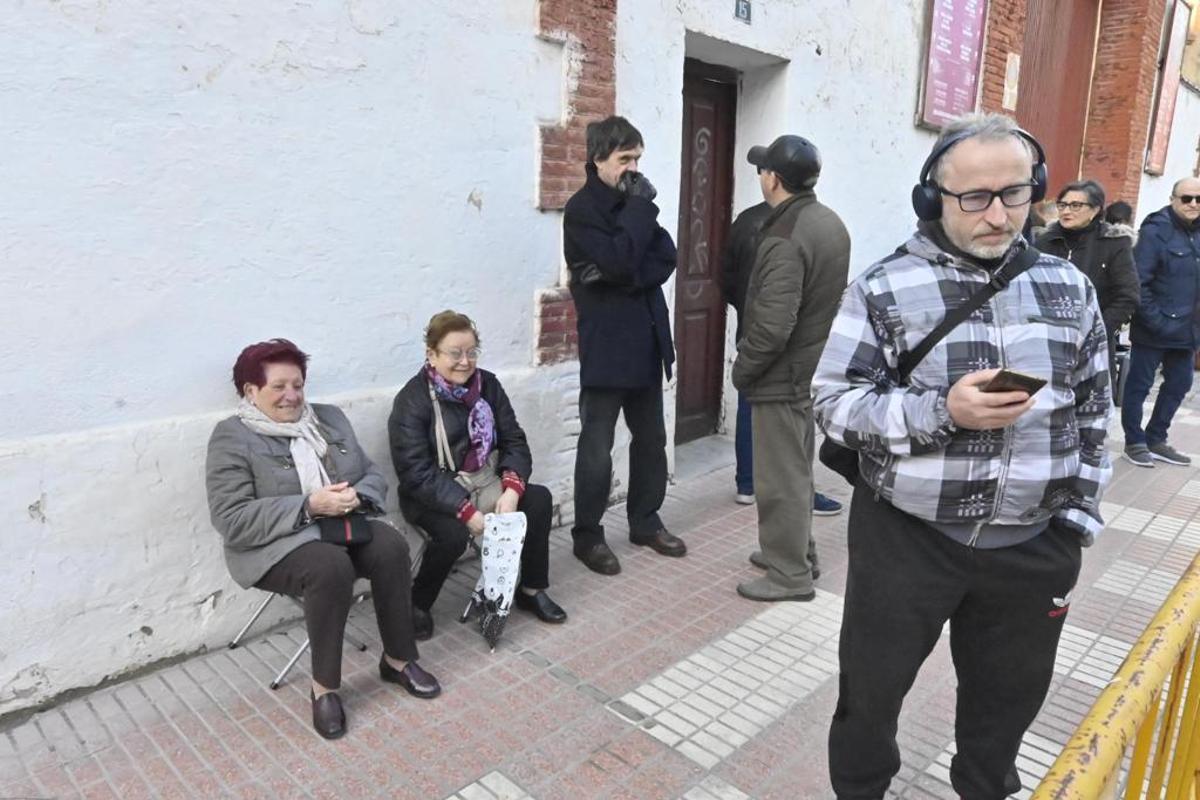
{"points": [[1001, 278]]}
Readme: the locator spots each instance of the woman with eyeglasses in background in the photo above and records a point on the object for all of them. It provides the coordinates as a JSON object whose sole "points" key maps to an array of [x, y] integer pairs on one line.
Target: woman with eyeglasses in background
{"points": [[1101, 251], [487, 452]]}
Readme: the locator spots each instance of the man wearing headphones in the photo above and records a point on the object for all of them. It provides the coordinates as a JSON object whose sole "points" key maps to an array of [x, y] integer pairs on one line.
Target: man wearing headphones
{"points": [[799, 272], [973, 496]]}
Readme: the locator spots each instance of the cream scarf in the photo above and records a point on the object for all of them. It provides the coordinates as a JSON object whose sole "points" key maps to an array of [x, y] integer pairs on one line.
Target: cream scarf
{"points": [[307, 444]]}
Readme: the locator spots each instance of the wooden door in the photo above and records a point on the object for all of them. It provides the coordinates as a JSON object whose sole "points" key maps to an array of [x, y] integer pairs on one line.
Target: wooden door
{"points": [[705, 200], [1056, 78]]}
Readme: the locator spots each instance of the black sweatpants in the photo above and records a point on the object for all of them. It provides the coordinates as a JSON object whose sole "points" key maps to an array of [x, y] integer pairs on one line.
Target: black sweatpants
{"points": [[598, 411], [322, 575], [448, 539], [1006, 609]]}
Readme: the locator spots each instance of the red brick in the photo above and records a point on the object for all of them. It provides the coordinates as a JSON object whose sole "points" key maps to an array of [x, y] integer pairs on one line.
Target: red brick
{"points": [[593, 24]]}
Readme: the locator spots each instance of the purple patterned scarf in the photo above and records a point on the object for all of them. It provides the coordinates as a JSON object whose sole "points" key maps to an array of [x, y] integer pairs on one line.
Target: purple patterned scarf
{"points": [[481, 422]]}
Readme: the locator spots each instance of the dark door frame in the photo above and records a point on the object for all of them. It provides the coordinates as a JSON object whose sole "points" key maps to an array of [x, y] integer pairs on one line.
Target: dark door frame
{"points": [[705, 211]]}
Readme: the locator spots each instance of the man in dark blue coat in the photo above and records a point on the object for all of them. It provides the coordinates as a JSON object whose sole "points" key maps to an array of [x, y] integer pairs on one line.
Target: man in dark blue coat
{"points": [[1166, 327], [619, 257]]}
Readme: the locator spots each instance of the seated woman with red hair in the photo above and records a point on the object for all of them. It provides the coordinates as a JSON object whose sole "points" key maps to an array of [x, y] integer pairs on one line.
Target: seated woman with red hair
{"points": [[289, 490]]}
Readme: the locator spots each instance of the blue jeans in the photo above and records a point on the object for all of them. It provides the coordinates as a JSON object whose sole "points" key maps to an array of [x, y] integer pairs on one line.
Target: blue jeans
{"points": [[1177, 369], [743, 448]]}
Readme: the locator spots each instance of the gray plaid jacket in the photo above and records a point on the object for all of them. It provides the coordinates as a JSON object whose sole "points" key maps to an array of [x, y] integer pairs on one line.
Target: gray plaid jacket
{"points": [[1050, 463]]}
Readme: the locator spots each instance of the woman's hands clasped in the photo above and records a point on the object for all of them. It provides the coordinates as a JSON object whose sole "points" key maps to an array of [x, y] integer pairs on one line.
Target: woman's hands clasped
{"points": [[334, 500]]}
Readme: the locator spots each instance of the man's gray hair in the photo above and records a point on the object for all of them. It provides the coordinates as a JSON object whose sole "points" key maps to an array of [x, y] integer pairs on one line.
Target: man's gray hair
{"points": [[988, 127]]}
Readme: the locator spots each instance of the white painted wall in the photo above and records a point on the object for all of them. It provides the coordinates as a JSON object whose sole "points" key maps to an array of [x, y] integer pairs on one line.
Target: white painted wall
{"points": [[845, 75], [178, 183], [1155, 190], [181, 182]]}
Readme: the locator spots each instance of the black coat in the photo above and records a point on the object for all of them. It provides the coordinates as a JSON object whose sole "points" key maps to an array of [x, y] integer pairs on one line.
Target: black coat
{"points": [[1168, 264], [741, 247], [624, 329], [423, 485], [1105, 255]]}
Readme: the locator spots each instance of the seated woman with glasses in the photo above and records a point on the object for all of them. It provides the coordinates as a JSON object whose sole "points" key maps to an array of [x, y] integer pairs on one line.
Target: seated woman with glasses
{"points": [[1101, 251], [288, 490], [460, 453]]}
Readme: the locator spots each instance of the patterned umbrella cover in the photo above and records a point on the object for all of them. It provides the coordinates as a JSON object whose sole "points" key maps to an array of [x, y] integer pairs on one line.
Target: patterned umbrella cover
{"points": [[500, 560]]}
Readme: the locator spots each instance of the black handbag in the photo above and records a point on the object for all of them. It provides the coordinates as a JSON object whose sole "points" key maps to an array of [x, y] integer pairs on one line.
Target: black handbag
{"points": [[347, 530], [844, 460]]}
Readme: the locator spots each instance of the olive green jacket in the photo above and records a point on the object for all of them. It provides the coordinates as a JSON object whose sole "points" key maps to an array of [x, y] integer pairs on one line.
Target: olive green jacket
{"points": [[796, 285]]}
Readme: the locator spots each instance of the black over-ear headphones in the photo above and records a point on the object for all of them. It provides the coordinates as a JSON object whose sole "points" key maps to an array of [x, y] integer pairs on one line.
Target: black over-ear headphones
{"points": [[927, 197]]}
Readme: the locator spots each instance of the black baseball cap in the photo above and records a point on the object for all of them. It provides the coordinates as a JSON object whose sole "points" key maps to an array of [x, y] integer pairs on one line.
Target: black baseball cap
{"points": [[793, 158]]}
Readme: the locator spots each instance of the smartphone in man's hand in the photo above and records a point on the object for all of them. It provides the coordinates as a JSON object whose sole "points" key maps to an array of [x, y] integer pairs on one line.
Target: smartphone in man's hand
{"points": [[1007, 380]]}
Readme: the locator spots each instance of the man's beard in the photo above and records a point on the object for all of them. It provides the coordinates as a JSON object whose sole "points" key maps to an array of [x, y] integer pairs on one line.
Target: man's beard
{"points": [[989, 252], [986, 252]]}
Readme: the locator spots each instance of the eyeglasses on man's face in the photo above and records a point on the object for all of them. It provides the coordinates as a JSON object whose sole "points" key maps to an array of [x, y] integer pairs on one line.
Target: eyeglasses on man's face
{"points": [[457, 354], [1188, 199], [981, 199], [1072, 206]]}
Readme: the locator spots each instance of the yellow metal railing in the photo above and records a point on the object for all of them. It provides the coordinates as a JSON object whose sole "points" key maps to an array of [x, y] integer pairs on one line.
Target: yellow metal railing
{"points": [[1151, 704]]}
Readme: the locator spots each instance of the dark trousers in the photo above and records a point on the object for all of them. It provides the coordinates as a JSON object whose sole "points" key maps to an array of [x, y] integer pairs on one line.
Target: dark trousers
{"points": [[743, 448], [1177, 369], [1006, 608], [598, 410], [323, 574], [448, 539]]}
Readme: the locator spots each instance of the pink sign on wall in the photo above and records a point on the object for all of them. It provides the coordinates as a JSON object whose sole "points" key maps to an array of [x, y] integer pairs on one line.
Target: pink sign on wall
{"points": [[951, 77]]}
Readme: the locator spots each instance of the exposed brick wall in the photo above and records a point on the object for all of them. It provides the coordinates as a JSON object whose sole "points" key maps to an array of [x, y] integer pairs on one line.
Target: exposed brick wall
{"points": [[1122, 87], [587, 31], [1123, 95], [1005, 34], [557, 337]]}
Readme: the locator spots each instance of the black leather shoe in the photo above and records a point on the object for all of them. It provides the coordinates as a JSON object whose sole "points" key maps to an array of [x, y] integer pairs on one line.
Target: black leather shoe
{"points": [[422, 624], [598, 558], [329, 719], [540, 604], [662, 542], [415, 680]]}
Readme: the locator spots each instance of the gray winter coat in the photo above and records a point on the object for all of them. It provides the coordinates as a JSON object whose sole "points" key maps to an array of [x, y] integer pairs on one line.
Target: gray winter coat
{"points": [[797, 282], [254, 496]]}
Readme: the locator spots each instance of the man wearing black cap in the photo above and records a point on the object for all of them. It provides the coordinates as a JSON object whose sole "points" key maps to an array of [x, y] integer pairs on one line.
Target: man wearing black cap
{"points": [[799, 273]]}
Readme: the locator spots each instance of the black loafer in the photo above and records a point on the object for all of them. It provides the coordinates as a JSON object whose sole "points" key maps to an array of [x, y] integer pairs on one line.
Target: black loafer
{"points": [[415, 680], [541, 605], [662, 542], [598, 558], [422, 624], [329, 719]]}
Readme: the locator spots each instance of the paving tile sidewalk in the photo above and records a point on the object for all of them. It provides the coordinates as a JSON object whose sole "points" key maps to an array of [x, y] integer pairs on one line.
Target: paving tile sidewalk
{"points": [[663, 684]]}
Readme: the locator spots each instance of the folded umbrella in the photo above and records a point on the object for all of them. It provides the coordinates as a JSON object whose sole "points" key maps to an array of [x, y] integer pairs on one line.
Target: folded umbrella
{"points": [[500, 568]]}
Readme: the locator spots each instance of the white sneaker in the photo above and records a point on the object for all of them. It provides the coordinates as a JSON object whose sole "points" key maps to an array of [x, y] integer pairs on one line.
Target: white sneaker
{"points": [[744, 499]]}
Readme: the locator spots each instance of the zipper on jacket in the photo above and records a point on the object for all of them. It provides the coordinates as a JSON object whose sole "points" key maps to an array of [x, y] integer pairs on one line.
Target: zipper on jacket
{"points": [[1006, 451], [346, 522]]}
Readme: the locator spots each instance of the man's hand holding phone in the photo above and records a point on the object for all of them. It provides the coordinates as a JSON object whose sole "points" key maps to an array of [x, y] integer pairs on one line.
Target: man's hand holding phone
{"points": [[978, 404]]}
